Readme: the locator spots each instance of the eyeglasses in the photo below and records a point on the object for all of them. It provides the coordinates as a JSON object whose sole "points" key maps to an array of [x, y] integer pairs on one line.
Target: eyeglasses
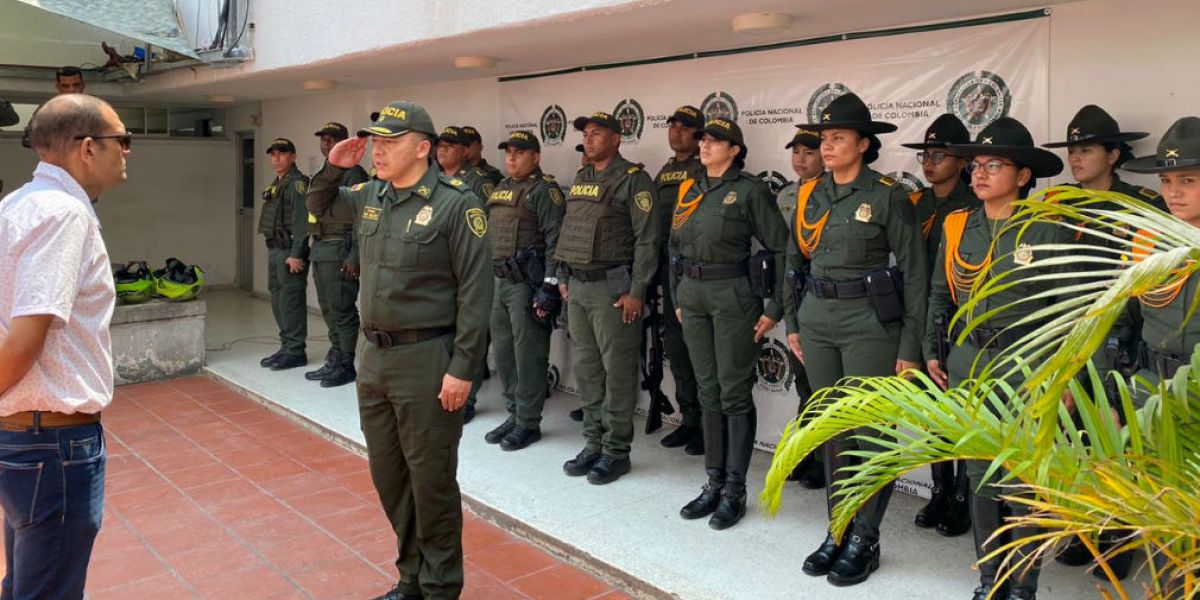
{"points": [[991, 167], [124, 139], [933, 157]]}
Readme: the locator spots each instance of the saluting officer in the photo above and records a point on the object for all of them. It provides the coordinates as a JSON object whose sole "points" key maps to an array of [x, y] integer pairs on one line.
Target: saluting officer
{"points": [[949, 190], [335, 274], [525, 213], [284, 222], [855, 316], [608, 254], [426, 291], [685, 164], [986, 242], [720, 293]]}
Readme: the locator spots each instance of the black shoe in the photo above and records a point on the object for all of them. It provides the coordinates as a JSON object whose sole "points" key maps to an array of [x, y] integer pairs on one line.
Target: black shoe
{"points": [[957, 518], [1075, 554], [704, 504], [731, 509], [519, 437], [819, 562], [1018, 594], [323, 372], [984, 589], [931, 514], [577, 415], [695, 446], [468, 412], [1121, 562], [494, 436], [608, 469], [396, 594], [681, 436], [270, 360], [858, 560], [582, 463], [289, 361], [342, 373]]}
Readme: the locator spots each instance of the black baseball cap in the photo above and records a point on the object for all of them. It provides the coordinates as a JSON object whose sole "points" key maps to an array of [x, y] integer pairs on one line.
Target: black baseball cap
{"points": [[805, 137], [523, 140], [335, 130], [454, 135], [398, 118], [472, 134], [600, 118], [689, 115], [282, 144]]}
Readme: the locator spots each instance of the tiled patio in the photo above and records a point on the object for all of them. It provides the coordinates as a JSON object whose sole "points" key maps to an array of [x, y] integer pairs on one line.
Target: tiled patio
{"points": [[211, 495]]}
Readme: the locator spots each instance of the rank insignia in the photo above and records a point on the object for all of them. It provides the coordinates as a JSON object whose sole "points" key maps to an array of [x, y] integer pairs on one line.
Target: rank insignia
{"points": [[1024, 255], [477, 221], [644, 201], [424, 215], [358, 186], [863, 214], [423, 191]]}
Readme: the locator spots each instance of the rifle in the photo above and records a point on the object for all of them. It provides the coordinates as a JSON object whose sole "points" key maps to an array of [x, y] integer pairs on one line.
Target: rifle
{"points": [[651, 361], [941, 328]]}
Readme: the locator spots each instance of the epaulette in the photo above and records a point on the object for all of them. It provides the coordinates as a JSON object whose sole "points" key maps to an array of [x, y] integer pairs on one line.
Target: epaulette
{"points": [[548, 177], [635, 168], [888, 181], [455, 183]]}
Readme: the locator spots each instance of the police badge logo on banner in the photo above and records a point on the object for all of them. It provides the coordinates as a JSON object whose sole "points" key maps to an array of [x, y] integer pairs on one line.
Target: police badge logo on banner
{"points": [[978, 98], [719, 105], [773, 367], [631, 118], [822, 97], [553, 125]]}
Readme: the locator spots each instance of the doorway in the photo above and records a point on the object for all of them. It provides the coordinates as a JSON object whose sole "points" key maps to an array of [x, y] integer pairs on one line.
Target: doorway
{"points": [[245, 211]]}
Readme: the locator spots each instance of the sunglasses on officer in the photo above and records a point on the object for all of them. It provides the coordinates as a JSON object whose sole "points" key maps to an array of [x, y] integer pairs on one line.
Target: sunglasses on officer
{"points": [[124, 139]]}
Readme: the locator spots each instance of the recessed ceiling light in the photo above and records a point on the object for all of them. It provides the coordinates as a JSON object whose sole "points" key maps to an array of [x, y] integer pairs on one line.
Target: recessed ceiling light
{"points": [[314, 85], [762, 23], [221, 98], [474, 62]]}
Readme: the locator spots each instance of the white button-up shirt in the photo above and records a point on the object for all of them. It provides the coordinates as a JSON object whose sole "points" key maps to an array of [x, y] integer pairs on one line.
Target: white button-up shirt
{"points": [[55, 263]]}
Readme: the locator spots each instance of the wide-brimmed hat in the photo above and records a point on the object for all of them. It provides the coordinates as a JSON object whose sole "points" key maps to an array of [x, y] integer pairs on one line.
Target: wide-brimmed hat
{"points": [[848, 111], [1178, 150], [945, 130], [1008, 138], [1092, 125]]}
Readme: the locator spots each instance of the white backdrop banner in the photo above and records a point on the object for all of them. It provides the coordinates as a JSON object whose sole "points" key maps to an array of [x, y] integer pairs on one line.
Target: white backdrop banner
{"points": [[979, 73]]}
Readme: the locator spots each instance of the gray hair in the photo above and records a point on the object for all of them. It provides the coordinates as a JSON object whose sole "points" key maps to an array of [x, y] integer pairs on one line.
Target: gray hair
{"points": [[60, 120]]}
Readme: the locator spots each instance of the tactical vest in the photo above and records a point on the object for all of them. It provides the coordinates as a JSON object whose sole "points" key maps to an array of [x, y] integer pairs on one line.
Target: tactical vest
{"points": [[597, 227], [511, 225], [274, 221], [323, 229]]}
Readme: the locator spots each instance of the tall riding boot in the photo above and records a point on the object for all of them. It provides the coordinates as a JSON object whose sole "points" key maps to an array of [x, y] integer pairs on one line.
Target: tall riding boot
{"points": [[957, 518], [713, 425], [323, 372], [1121, 562], [821, 560], [740, 447], [343, 371], [931, 514], [1025, 579], [987, 516]]}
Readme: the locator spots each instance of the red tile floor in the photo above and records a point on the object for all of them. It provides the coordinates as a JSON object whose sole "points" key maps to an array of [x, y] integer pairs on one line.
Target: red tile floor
{"points": [[211, 495]]}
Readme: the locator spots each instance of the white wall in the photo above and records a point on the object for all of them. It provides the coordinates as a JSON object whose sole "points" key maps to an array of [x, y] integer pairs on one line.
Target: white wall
{"points": [[178, 201]]}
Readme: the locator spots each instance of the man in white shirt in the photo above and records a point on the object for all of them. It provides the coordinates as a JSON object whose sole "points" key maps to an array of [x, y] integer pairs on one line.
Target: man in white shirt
{"points": [[56, 367]]}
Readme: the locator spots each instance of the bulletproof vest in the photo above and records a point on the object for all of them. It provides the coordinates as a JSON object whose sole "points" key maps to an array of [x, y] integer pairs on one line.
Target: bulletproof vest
{"points": [[275, 219], [511, 225], [324, 228], [597, 226]]}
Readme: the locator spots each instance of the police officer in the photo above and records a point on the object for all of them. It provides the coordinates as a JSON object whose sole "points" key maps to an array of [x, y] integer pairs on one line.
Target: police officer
{"points": [[524, 214], [335, 273], [805, 148], [855, 318], [452, 156], [608, 255], [720, 296], [985, 242], [283, 222], [426, 290], [947, 510], [685, 164], [1096, 148], [475, 155]]}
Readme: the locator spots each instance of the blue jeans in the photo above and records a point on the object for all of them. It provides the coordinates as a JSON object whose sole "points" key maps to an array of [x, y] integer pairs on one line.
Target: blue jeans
{"points": [[52, 494]]}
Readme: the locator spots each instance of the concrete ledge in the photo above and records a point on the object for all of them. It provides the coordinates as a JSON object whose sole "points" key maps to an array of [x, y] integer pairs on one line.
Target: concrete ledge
{"points": [[157, 340]]}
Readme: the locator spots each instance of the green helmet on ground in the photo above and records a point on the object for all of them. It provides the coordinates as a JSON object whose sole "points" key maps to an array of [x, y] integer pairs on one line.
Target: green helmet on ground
{"points": [[134, 282], [178, 281]]}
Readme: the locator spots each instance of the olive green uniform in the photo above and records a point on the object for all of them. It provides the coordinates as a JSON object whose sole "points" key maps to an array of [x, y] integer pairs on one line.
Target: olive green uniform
{"points": [[869, 219], [476, 180], [426, 279], [523, 214], [932, 211], [786, 202], [666, 185], [1168, 335], [609, 222], [333, 244], [493, 174], [720, 313], [283, 221]]}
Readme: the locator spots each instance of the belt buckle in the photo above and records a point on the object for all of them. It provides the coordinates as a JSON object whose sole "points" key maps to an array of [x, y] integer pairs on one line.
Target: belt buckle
{"points": [[828, 288]]}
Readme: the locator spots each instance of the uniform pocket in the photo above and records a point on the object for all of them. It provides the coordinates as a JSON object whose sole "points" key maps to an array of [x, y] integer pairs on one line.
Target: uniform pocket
{"points": [[860, 238], [736, 221], [417, 250]]}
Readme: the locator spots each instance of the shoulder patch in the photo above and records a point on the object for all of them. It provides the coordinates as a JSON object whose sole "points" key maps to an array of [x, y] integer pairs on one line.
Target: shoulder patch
{"points": [[644, 201], [1149, 193], [301, 186], [556, 195], [888, 181], [476, 221]]}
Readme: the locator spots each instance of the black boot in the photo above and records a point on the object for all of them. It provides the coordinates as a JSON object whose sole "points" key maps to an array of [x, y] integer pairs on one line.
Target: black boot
{"points": [[1074, 554], [270, 360], [957, 519], [343, 371], [1025, 579], [987, 515], [713, 429], [1121, 562], [859, 558], [739, 447], [323, 372], [681, 436], [809, 473], [819, 562], [943, 489]]}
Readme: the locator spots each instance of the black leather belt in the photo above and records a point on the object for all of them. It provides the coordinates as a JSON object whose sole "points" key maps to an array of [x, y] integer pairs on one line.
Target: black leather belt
{"points": [[992, 338], [387, 339], [712, 271], [329, 238], [842, 290], [278, 244], [590, 276], [1165, 363]]}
